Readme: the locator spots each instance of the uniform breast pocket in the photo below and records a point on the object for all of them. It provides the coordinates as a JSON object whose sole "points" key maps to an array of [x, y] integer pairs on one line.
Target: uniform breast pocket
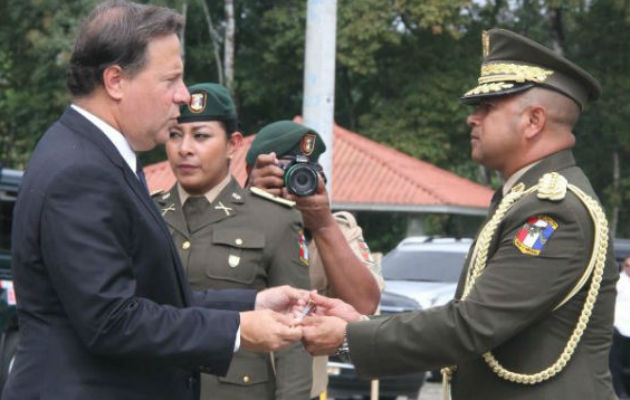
{"points": [[236, 255]]}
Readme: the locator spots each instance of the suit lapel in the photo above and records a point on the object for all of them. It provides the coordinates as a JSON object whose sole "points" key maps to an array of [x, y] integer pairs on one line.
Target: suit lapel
{"points": [[79, 124]]}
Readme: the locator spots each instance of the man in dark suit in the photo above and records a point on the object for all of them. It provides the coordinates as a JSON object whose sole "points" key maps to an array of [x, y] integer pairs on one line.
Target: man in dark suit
{"points": [[103, 305], [533, 311]]}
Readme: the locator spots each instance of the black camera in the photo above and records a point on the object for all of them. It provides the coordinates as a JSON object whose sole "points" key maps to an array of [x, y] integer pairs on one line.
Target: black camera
{"points": [[301, 175]]}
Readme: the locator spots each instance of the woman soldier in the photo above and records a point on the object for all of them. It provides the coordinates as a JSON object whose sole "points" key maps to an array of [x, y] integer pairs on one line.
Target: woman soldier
{"points": [[229, 238]]}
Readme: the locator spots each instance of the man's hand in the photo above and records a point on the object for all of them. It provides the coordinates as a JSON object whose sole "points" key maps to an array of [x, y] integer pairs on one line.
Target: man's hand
{"points": [[323, 335], [266, 330], [283, 299], [315, 208], [334, 307], [267, 175]]}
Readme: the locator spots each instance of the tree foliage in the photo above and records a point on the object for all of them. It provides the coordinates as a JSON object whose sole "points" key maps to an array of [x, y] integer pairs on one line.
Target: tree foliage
{"points": [[401, 66]]}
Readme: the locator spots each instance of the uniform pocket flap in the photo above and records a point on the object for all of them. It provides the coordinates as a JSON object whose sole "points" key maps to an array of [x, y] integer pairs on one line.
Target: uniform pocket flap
{"points": [[239, 238], [248, 368]]}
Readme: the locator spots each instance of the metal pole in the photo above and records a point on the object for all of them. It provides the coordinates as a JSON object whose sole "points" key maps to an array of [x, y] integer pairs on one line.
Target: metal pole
{"points": [[319, 76]]}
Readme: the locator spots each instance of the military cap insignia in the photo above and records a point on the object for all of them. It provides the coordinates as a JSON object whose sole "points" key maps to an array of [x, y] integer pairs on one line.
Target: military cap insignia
{"points": [[197, 102], [303, 251], [308, 144], [485, 43], [534, 234]]}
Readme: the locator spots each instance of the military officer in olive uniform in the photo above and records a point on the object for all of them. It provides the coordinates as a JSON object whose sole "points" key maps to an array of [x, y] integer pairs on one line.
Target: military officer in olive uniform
{"points": [[228, 237], [533, 311]]}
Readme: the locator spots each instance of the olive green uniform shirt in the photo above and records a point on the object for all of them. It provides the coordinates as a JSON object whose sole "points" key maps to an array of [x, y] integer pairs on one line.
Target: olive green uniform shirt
{"points": [[510, 310], [245, 241]]}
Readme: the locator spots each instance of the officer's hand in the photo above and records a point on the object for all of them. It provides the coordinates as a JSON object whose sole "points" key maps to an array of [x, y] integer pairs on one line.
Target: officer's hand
{"points": [[266, 330], [283, 299], [267, 175], [334, 307], [315, 208], [322, 335]]}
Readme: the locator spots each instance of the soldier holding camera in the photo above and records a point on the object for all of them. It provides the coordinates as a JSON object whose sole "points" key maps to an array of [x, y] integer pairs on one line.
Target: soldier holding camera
{"points": [[283, 160]]}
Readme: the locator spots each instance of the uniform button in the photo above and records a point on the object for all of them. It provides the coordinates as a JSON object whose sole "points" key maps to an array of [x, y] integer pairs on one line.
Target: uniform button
{"points": [[239, 241], [246, 379], [186, 245]]}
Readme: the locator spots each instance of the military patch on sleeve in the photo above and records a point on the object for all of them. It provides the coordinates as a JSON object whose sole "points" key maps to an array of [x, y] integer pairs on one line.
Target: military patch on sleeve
{"points": [[365, 252], [303, 252], [534, 234]]}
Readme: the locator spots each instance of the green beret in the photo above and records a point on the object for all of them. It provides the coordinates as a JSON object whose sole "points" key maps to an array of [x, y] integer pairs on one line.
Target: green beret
{"points": [[286, 138], [513, 63], [208, 102]]}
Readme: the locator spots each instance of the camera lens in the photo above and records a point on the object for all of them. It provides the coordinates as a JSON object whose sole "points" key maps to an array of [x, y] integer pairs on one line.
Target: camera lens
{"points": [[301, 179]]}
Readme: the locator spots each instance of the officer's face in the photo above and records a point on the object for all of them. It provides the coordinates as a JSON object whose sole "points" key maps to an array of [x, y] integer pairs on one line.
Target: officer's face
{"points": [[150, 99], [199, 154], [495, 137]]}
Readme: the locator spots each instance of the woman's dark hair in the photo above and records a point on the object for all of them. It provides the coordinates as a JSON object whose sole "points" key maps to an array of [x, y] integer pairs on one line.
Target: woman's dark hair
{"points": [[116, 33]]}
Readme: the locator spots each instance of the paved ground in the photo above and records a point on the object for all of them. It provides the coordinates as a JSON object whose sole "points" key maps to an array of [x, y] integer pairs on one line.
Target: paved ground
{"points": [[431, 391]]}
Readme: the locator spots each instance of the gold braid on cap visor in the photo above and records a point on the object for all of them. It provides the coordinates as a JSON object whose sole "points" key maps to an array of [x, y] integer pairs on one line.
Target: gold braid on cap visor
{"points": [[552, 187], [499, 76]]}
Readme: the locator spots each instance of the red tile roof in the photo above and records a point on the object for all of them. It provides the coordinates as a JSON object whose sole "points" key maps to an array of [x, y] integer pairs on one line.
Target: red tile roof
{"points": [[370, 176]]}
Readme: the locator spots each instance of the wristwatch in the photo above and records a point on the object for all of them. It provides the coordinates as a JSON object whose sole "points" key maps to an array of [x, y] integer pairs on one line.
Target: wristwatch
{"points": [[343, 351]]}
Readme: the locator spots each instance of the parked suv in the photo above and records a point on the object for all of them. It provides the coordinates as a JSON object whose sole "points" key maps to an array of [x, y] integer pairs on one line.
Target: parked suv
{"points": [[425, 268], [9, 182]]}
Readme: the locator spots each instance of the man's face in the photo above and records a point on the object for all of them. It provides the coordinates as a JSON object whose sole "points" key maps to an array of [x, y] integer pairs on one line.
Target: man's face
{"points": [[626, 266], [199, 154], [151, 99], [495, 136]]}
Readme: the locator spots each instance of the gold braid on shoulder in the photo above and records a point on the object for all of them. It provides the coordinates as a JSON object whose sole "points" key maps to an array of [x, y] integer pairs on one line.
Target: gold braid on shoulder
{"points": [[553, 187]]}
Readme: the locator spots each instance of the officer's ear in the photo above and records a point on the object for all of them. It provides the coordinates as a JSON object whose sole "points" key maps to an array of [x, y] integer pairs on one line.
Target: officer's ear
{"points": [[535, 119], [234, 143], [114, 81]]}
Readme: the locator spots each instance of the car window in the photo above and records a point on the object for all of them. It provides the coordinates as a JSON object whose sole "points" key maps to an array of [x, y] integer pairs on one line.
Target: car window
{"points": [[430, 266], [6, 213]]}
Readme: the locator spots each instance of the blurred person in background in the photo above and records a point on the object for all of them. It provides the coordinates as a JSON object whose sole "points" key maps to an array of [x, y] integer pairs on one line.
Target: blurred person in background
{"points": [[620, 349]]}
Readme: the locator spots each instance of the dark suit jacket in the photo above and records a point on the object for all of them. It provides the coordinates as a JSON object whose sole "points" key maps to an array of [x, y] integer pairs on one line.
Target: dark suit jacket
{"points": [[510, 311], [103, 304]]}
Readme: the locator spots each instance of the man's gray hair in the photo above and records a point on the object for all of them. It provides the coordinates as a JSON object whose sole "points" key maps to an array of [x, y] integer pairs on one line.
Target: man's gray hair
{"points": [[116, 33]]}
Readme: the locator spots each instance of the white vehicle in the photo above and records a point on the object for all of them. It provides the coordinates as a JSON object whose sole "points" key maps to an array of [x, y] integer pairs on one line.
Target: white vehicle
{"points": [[425, 269]]}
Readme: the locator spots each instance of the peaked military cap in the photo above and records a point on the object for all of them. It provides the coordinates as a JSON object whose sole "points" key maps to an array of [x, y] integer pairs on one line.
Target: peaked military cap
{"points": [[513, 63], [286, 138], [208, 102]]}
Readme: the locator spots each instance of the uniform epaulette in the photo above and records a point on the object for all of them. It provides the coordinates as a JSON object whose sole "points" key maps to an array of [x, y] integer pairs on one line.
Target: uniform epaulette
{"points": [[346, 218], [552, 186], [266, 195]]}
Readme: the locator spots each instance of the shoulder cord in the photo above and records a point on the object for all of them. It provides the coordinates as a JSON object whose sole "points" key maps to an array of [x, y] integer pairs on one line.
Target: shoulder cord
{"points": [[595, 266]]}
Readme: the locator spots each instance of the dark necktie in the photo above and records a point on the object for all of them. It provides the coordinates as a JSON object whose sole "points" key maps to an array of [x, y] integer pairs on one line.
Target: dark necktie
{"points": [[194, 209], [141, 177]]}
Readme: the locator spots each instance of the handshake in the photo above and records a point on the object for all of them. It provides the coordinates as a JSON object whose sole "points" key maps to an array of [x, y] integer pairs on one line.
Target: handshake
{"points": [[284, 315]]}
